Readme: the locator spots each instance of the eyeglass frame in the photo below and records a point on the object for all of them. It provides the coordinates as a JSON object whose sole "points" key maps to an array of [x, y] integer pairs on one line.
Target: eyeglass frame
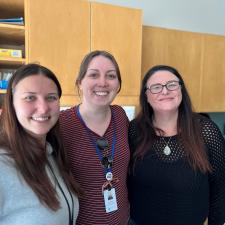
{"points": [[164, 85]]}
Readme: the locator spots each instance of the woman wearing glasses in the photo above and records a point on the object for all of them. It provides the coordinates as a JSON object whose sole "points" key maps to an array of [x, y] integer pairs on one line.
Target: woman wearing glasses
{"points": [[96, 140], [177, 174]]}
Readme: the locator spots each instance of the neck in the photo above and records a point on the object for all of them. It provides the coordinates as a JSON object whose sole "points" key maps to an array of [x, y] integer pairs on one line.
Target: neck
{"points": [[96, 113], [166, 122], [97, 119]]}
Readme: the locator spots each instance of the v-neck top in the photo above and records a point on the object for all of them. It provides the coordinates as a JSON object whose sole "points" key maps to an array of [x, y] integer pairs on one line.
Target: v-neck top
{"points": [[88, 171]]}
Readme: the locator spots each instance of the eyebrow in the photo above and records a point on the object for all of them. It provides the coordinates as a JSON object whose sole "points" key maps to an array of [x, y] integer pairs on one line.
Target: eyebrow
{"points": [[111, 70], [35, 93], [166, 82]]}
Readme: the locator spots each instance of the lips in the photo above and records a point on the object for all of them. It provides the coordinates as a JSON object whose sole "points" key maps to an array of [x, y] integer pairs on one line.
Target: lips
{"points": [[165, 99]]}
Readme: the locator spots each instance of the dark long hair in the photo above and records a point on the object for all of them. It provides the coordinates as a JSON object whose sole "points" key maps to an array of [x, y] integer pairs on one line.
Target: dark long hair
{"points": [[27, 152], [187, 125], [88, 58]]}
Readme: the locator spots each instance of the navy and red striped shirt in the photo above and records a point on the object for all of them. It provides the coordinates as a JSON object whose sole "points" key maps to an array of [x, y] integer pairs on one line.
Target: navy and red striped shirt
{"points": [[88, 171]]}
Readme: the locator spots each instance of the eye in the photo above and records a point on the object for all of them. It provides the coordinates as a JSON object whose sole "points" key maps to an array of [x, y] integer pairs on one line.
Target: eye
{"points": [[52, 98], [93, 75], [111, 76], [30, 98], [172, 85], [156, 87]]}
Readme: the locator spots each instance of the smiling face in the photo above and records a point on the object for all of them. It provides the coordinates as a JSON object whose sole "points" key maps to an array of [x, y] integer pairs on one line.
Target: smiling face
{"points": [[36, 104], [100, 84], [166, 100]]}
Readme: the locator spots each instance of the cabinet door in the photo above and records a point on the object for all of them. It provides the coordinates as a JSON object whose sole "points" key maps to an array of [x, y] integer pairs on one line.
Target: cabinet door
{"points": [[58, 35], [119, 31], [182, 50], [213, 79]]}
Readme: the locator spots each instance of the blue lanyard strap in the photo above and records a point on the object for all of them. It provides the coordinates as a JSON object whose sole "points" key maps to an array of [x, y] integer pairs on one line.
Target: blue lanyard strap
{"points": [[98, 151]]}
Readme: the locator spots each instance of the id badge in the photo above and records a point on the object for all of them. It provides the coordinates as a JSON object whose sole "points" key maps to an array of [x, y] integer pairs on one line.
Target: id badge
{"points": [[110, 200]]}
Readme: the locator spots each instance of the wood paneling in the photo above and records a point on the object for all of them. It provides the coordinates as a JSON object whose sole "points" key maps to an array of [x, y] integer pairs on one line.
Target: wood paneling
{"points": [[213, 78], [58, 37], [182, 50], [119, 31]]}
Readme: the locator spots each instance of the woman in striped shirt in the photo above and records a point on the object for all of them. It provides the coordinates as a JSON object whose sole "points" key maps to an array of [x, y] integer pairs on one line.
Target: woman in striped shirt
{"points": [[95, 137]]}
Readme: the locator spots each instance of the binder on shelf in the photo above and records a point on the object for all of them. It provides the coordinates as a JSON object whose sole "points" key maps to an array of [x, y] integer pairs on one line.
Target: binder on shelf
{"points": [[18, 20], [13, 53]]}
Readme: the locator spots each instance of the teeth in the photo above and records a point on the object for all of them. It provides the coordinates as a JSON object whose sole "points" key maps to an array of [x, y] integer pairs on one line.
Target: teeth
{"points": [[44, 118], [101, 93]]}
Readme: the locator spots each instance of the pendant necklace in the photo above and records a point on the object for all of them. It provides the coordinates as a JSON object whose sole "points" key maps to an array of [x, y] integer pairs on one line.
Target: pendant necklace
{"points": [[167, 150]]}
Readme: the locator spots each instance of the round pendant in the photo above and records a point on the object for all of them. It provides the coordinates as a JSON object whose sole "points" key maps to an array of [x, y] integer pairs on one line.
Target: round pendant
{"points": [[167, 150], [109, 176]]}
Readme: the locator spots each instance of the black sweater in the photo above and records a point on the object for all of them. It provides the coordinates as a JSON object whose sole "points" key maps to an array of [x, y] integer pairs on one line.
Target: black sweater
{"points": [[165, 190]]}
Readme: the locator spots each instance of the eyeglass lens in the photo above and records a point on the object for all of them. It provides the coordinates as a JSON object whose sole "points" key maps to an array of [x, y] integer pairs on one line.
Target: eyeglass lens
{"points": [[171, 86]]}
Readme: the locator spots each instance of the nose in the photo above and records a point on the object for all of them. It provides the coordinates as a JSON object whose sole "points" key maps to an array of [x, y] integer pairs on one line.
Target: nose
{"points": [[42, 106], [102, 81], [164, 90]]}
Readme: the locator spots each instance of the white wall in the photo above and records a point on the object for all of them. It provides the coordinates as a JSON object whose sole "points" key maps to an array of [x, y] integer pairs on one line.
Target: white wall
{"points": [[204, 16]]}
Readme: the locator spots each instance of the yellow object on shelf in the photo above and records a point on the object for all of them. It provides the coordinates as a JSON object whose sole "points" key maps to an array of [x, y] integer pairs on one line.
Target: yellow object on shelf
{"points": [[14, 53]]}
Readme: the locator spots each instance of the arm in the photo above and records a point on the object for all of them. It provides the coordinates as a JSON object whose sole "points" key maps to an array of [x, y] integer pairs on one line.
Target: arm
{"points": [[216, 147]]}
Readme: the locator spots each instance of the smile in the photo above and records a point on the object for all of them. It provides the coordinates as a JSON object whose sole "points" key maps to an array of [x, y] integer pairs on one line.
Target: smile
{"points": [[101, 93], [42, 118]]}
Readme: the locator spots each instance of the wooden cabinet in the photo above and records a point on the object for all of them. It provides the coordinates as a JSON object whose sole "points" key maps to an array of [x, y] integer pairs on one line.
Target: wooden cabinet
{"points": [[199, 58], [59, 35], [119, 31], [213, 74], [182, 50]]}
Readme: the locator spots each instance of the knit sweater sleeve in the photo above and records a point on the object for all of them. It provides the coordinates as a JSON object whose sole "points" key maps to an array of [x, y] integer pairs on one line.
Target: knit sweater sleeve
{"points": [[132, 135], [216, 150]]}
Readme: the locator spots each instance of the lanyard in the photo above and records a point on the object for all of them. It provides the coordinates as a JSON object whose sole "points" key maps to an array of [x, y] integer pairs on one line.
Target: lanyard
{"points": [[98, 151], [70, 210]]}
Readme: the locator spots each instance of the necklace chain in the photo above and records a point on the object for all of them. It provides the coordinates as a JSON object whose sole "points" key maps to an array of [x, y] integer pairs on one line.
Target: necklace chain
{"points": [[166, 150]]}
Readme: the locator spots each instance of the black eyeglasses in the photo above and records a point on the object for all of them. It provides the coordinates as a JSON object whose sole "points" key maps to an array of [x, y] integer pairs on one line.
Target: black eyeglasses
{"points": [[106, 160], [170, 86]]}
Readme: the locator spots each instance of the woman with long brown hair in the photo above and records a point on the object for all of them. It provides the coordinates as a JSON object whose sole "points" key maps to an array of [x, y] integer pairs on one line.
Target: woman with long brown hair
{"points": [[177, 173], [36, 186], [95, 137]]}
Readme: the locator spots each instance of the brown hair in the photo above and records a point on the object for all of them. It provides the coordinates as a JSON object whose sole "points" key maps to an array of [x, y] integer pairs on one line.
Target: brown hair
{"points": [[28, 153], [88, 58], [1, 100], [187, 124]]}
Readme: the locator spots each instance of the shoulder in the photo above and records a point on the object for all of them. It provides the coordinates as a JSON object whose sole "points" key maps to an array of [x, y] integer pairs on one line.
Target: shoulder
{"points": [[209, 129], [6, 162], [8, 174], [67, 119], [133, 126], [119, 113], [118, 109], [132, 131], [5, 159], [64, 114]]}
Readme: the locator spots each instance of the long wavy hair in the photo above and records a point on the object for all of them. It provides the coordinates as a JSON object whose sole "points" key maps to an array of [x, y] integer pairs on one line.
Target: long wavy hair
{"points": [[188, 127], [27, 152]]}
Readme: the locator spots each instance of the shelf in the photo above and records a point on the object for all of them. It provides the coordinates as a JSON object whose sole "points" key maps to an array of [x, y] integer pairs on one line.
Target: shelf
{"points": [[12, 61], [12, 33], [2, 91], [11, 8]]}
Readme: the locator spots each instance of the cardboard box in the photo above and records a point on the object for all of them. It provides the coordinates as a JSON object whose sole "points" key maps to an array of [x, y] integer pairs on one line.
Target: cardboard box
{"points": [[10, 53]]}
